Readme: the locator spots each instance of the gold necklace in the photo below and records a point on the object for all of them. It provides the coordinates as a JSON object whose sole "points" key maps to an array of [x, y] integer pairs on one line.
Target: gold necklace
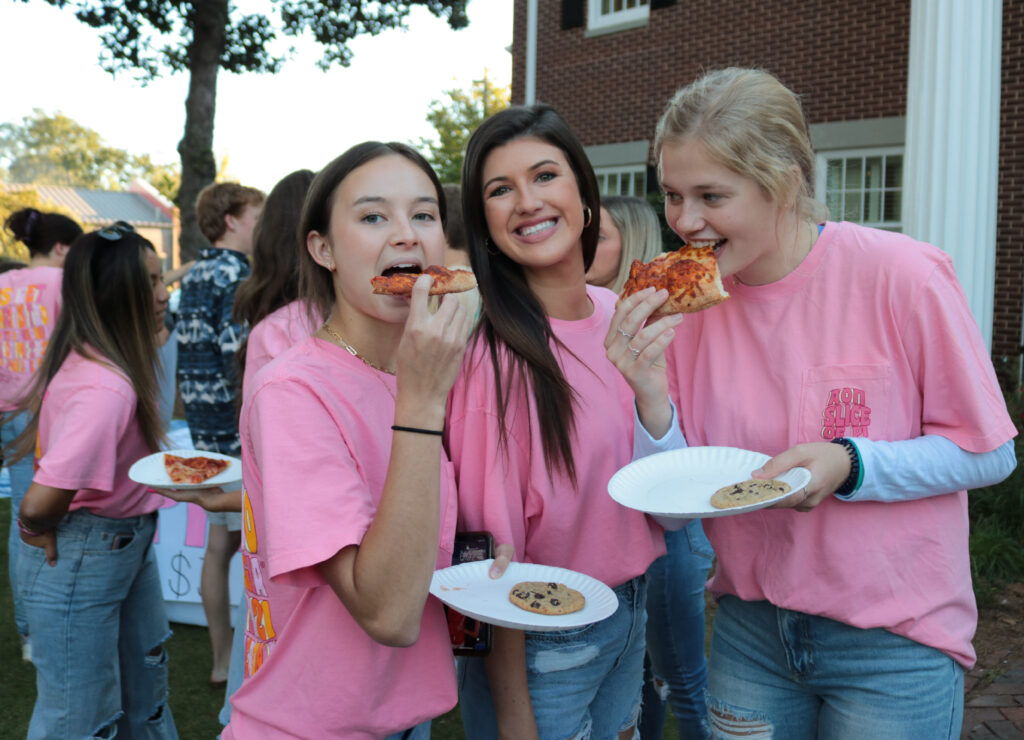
{"points": [[352, 350]]}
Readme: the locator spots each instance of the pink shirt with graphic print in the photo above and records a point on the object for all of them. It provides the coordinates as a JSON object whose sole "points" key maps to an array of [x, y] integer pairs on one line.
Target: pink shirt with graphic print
{"points": [[29, 304], [316, 440], [515, 498], [869, 336], [89, 436]]}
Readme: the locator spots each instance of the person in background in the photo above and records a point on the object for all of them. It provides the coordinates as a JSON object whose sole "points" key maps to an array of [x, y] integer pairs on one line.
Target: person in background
{"points": [[456, 254], [267, 301], [539, 421], [30, 305], [846, 609], [86, 566], [629, 231], [208, 340], [675, 667]]}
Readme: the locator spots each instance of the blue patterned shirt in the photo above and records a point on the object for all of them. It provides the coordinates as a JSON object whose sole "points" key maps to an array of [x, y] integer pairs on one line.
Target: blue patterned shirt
{"points": [[207, 342]]}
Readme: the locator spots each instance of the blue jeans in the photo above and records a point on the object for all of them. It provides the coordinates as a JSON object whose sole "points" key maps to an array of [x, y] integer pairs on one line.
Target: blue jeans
{"points": [[98, 626], [675, 635], [236, 669], [777, 673], [21, 478], [584, 682]]}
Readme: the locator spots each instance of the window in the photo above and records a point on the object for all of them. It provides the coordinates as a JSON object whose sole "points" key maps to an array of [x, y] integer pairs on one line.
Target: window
{"points": [[622, 180], [863, 185], [605, 16]]}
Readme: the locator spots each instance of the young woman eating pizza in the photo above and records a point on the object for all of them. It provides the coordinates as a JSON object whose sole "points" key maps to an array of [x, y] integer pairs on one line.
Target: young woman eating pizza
{"points": [[847, 609], [349, 497], [539, 422], [86, 566]]}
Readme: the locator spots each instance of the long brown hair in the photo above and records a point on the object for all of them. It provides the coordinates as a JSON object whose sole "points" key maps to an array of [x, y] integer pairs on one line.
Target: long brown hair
{"points": [[276, 244], [107, 317], [513, 317]]}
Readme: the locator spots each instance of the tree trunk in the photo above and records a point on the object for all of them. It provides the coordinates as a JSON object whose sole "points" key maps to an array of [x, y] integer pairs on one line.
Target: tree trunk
{"points": [[209, 20]]}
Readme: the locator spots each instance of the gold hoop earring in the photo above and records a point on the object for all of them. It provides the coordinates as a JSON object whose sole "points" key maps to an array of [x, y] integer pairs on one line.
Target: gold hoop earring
{"points": [[488, 244], [588, 215]]}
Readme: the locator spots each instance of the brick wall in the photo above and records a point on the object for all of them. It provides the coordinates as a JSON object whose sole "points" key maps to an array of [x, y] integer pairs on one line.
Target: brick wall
{"points": [[847, 60], [1009, 296]]}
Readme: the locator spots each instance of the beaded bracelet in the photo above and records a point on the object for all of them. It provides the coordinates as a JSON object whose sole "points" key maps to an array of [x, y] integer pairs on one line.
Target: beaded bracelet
{"points": [[28, 532], [417, 430], [852, 481]]}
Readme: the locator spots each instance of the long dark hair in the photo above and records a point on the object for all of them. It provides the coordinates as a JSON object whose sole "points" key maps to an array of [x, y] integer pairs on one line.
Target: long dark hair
{"points": [[274, 281], [315, 283], [513, 318], [107, 316], [40, 231]]}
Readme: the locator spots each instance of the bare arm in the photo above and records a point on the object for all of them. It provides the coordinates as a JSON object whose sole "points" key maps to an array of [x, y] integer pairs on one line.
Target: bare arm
{"points": [[506, 672], [41, 511]]}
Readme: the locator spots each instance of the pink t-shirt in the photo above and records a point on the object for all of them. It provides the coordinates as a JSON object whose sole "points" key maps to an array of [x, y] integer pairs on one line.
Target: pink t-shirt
{"points": [[277, 332], [29, 304], [513, 497], [316, 440], [870, 336], [89, 436]]}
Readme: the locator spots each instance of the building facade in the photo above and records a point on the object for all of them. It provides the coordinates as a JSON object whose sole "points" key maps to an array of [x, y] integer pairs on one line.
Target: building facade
{"points": [[610, 67]]}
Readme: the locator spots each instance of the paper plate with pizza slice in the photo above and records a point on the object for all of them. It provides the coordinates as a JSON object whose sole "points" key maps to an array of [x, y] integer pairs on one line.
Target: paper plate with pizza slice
{"points": [[506, 602], [186, 469], [682, 483]]}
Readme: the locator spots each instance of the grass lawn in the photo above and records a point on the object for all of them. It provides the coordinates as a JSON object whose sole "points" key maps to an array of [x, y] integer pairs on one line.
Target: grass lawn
{"points": [[194, 704]]}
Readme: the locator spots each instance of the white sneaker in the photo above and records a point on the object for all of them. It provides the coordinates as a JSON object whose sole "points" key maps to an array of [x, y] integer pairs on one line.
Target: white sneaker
{"points": [[26, 648]]}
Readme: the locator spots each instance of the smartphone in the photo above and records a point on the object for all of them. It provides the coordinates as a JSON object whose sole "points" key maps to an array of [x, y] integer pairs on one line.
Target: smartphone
{"points": [[468, 636]]}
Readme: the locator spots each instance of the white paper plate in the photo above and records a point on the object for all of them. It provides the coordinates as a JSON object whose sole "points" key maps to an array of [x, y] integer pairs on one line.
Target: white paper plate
{"points": [[150, 471], [469, 590], [680, 483]]}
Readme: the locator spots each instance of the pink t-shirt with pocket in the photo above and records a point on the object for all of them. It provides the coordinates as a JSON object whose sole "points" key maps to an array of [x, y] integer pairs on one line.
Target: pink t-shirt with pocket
{"points": [[870, 336], [89, 436], [316, 441]]}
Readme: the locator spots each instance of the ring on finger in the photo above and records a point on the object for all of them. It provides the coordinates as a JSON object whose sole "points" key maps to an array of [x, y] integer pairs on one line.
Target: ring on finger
{"points": [[636, 352], [626, 334]]}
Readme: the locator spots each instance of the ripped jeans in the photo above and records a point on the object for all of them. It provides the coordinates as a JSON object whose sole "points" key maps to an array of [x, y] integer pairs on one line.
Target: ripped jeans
{"points": [[584, 683], [98, 626], [781, 674]]}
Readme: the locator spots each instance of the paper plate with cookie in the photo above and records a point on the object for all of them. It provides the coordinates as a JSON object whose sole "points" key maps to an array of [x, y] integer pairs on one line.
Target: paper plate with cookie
{"points": [[702, 482], [527, 596]]}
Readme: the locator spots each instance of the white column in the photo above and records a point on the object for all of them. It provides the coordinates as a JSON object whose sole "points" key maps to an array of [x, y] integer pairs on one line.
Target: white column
{"points": [[952, 149], [530, 93]]}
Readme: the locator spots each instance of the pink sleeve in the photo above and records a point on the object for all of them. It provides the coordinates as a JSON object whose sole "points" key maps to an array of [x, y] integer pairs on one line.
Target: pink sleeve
{"points": [[961, 399], [82, 438], [315, 501], [492, 486]]}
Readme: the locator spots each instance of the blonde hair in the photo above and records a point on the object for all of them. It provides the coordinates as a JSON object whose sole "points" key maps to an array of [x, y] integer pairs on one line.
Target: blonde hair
{"points": [[640, 232], [752, 124]]}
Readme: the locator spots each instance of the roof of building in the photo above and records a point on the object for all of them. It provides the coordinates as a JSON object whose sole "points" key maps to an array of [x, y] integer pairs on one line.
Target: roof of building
{"points": [[104, 206]]}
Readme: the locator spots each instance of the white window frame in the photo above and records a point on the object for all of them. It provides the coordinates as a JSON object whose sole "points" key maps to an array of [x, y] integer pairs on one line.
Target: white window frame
{"points": [[863, 154], [600, 22], [604, 174]]}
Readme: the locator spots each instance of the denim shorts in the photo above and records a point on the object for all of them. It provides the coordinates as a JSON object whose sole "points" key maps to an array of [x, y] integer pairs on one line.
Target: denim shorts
{"points": [[584, 683], [776, 673], [98, 626]]}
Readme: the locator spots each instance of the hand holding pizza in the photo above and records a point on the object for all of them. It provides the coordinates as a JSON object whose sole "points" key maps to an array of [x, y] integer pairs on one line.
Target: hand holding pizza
{"points": [[637, 349], [429, 355], [829, 465]]}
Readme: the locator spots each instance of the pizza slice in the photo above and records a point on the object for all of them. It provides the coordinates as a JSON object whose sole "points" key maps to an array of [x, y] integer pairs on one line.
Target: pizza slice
{"points": [[445, 281], [689, 274], [193, 469]]}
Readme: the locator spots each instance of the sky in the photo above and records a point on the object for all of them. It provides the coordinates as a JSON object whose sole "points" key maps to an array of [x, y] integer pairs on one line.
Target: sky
{"points": [[266, 125]]}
